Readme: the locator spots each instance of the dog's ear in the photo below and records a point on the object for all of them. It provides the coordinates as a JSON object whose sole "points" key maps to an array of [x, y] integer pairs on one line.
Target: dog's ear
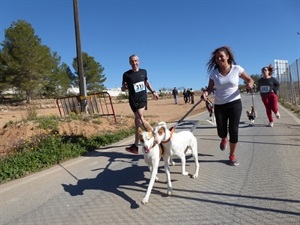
{"points": [[161, 130], [162, 123], [140, 130], [149, 129]]}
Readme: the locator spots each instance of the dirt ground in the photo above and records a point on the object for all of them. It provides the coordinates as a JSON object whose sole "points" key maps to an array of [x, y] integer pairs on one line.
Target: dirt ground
{"points": [[12, 134]]}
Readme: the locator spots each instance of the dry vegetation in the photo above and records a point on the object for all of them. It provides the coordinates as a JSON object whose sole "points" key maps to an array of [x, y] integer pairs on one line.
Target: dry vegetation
{"points": [[15, 129]]}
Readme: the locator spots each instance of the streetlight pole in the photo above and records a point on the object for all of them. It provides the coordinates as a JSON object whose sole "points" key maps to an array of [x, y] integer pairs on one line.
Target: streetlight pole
{"points": [[298, 33], [82, 80]]}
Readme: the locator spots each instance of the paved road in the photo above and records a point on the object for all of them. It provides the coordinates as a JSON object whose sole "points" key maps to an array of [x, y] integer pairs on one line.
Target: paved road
{"points": [[107, 186]]}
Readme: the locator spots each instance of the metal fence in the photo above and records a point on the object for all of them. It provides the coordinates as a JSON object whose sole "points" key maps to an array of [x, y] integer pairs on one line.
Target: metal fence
{"points": [[288, 77], [97, 104]]}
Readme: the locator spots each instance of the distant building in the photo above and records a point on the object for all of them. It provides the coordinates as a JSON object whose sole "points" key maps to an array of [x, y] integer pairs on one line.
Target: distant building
{"points": [[111, 91], [73, 90], [114, 91]]}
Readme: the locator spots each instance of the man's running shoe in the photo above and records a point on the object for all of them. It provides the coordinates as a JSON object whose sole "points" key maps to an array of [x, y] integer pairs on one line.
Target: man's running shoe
{"points": [[233, 161], [132, 149], [223, 144], [271, 124], [277, 115]]}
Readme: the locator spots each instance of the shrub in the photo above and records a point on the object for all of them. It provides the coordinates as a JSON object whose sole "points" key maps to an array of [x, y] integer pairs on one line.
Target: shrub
{"points": [[47, 150]]}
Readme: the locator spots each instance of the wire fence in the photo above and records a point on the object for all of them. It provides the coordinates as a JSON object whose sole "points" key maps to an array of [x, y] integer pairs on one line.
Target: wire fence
{"points": [[288, 77]]}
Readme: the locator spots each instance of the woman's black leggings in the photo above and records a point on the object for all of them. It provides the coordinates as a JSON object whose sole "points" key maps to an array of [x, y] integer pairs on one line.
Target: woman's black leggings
{"points": [[231, 112]]}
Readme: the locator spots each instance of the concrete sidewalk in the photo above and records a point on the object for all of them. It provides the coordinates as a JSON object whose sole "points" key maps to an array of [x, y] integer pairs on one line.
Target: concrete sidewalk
{"points": [[107, 186]]}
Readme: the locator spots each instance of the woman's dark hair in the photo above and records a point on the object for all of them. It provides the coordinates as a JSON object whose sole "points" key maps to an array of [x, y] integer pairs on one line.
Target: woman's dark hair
{"points": [[270, 69], [211, 65]]}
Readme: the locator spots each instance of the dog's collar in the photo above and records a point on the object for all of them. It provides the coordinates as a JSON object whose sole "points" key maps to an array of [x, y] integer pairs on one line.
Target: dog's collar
{"points": [[148, 150], [171, 134]]}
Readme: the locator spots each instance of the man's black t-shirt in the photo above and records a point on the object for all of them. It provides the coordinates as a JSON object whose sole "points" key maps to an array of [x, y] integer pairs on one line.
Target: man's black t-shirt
{"points": [[136, 85]]}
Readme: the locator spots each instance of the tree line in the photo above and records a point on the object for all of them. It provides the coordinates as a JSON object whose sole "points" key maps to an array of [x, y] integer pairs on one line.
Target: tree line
{"points": [[32, 70]]}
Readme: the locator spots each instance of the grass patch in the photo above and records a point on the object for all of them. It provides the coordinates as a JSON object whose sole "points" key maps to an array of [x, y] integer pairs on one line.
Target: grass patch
{"points": [[47, 150], [292, 107], [48, 123]]}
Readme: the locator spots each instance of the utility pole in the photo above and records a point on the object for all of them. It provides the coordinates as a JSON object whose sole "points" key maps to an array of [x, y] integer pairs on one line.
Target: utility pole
{"points": [[82, 79]]}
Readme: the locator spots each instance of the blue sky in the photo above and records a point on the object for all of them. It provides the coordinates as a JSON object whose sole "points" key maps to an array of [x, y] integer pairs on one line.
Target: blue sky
{"points": [[173, 38]]}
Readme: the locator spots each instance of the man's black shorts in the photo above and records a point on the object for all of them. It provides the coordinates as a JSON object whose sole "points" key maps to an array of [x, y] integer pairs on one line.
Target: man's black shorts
{"points": [[135, 106]]}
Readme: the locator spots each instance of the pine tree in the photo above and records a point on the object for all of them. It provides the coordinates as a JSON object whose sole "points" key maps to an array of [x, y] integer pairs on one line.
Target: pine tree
{"points": [[93, 71], [27, 62]]}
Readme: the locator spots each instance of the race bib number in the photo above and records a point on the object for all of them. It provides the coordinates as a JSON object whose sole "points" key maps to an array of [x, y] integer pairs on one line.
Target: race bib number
{"points": [[140, 86], [265, 89]]}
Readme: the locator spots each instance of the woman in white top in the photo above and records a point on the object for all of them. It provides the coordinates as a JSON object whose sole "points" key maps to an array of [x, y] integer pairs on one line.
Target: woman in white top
{"points": [[224, 77]]}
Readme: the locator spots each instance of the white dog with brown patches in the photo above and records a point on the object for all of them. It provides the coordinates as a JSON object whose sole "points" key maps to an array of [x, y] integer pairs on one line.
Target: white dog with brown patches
{"points": [[177, 144], [152, 155]]}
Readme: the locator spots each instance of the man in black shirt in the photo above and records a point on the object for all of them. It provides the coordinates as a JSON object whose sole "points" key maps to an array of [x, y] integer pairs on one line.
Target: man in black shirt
{"points": [[136, 81]]}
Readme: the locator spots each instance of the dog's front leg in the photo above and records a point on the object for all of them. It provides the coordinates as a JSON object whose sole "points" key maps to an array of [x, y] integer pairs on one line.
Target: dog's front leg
{"points": [[153, 177], [151, 169], [168, 174]]}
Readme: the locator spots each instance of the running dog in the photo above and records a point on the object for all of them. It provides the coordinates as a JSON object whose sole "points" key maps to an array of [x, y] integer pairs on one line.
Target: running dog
{"points": [[177, 144], [152, 155], [252, 114]]}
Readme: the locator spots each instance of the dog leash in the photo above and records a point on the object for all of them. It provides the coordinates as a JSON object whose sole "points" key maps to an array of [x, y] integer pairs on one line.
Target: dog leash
{"points": [[209, 101], [180, 121], [252, 93]]}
